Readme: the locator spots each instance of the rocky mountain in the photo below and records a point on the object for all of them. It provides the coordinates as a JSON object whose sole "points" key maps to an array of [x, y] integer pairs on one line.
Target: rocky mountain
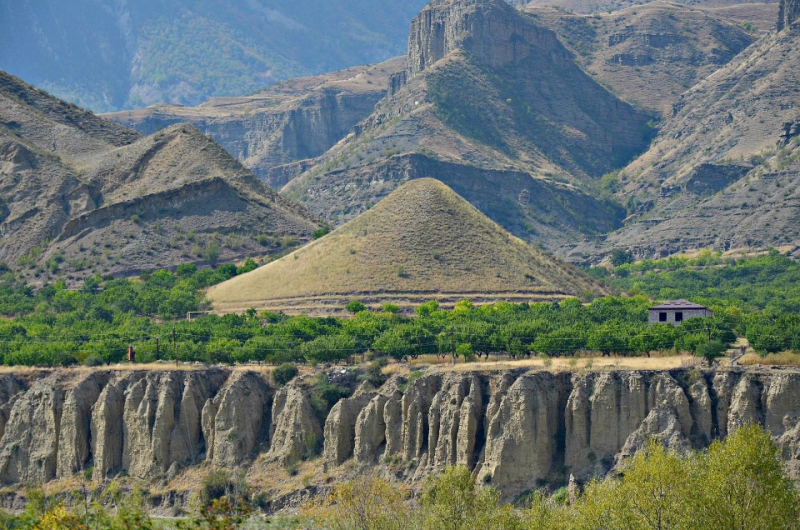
{"points": [[80, 194], [109, 55], [516, 430], [290, 122], [722, 172], [650, 55], [608, 6], [495, 107], [422, 242]]}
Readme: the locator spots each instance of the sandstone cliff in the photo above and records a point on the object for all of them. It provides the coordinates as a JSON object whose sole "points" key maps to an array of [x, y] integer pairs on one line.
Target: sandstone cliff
{"points": [[516, 430]]}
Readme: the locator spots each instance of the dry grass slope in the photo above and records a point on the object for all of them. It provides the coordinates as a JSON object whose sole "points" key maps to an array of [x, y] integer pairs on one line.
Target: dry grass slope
{"points": [[422, 242]]}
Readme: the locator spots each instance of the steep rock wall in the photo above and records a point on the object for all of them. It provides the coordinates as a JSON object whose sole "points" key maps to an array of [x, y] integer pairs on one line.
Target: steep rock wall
{"points": [[476, 27], [516, 430]]}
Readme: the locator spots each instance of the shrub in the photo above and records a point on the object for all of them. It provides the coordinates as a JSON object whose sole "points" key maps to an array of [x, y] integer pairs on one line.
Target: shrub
{"points": [[621, 256], [215, 485], [284, 373], [374, 373], [320, 232], [711, 350], [355, 306], [93, 360]]}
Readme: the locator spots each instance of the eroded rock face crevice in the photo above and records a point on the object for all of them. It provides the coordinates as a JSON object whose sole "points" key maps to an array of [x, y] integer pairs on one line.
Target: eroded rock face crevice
{"points": [[515, 430]]}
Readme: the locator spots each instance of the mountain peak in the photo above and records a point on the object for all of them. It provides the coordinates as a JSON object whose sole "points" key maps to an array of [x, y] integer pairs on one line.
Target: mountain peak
{"points": [[421, 242]]}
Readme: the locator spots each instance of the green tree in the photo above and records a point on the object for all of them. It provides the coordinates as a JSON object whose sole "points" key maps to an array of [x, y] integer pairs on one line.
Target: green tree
{"points": [[364, 503], [621, 256], [608, 338], [453, 501], [212, 253], [284, 373], [744, 484], [328, 349], [427, 308], [355, 306], [711, 351]]}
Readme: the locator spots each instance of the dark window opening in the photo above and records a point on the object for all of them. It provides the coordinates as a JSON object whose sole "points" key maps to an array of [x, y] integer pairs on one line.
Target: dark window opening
{"points": [[679, 316], [662, 317]]}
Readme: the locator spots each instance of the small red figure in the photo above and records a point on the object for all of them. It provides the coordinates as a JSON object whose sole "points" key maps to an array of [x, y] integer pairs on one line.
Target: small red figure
{"points": [[131, 354]]}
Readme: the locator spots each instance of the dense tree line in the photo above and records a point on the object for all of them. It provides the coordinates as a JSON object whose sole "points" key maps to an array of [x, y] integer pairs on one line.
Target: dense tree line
{"points": [[55, 325], [770, 282]]}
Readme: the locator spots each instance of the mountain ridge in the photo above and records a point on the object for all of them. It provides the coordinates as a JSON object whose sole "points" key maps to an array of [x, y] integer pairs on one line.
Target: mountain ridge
{"points": [[81, 195], [454, 113], [110, 55]]}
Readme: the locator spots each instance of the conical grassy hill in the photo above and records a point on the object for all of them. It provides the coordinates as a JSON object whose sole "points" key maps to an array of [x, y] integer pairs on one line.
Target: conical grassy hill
{"points": [[421, 242]]}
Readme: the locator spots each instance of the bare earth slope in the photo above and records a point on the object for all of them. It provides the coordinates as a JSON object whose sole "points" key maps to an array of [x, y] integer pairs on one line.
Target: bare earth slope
{"points": [[421, 242], [289, 122], [651, 54], [83, 195], [723, 172], [494, 106]]}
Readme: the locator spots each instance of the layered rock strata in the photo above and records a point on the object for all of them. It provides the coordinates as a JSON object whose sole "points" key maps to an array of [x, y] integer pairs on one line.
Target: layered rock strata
{"points": [[516, 430]]}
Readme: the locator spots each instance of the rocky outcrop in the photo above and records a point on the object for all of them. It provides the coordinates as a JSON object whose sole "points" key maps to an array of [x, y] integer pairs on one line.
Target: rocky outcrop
{"points": [[340, 428], [273, 130], [515, 430], [74, 449], [236, 422], [491, 30], [295, 432], [522, 439], [29, 449], [370, 429]]}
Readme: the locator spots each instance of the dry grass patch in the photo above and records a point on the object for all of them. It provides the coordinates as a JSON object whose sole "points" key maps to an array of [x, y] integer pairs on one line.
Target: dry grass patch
{"points": [[786, 358]]}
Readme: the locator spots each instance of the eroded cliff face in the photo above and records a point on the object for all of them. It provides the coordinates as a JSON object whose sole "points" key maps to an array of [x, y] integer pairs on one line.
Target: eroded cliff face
{"points": [[475, 27], [516, 430]]}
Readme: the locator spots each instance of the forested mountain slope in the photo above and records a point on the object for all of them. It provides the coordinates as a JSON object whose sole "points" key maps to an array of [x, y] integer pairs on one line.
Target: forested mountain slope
{"points": [[109, 55]]}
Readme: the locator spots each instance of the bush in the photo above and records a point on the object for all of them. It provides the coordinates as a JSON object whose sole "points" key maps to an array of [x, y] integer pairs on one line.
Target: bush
{"points": [[374, 373], [711, 350], [215, 485], [284, 373], [93, 360], [621, 256], [390, 308], [355, 306]]}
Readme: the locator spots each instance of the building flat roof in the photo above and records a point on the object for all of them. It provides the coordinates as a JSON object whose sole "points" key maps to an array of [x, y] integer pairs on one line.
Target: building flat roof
{"points": [[678, 305]]}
